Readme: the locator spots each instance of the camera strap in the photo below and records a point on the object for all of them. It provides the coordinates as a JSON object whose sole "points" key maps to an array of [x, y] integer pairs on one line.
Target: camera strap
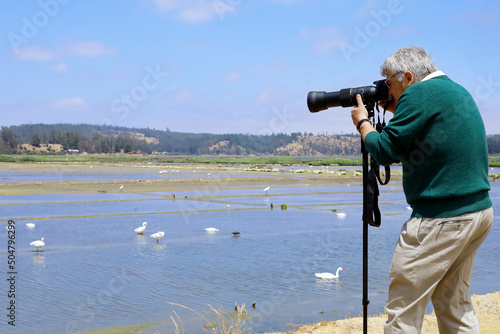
{"points": [[371, 209], [375, 165]]}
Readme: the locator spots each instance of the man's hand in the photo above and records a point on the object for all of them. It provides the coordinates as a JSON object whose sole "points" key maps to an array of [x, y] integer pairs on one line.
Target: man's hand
{"points": [[359, 112]]}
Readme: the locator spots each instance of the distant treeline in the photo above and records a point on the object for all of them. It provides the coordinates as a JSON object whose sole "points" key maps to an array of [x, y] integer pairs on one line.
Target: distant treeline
{"points": [[114, 139], [493, 144]]}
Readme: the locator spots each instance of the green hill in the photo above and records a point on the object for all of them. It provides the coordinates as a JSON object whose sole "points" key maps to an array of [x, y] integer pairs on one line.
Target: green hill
{"points": [[63, 138]]}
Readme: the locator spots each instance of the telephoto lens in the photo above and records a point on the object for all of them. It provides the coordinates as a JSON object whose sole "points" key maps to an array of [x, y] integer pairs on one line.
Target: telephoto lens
{"points": [[321, 100]]}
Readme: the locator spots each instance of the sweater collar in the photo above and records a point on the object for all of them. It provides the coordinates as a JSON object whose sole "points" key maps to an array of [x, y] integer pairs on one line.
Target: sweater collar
{"points": [[433, 75]]}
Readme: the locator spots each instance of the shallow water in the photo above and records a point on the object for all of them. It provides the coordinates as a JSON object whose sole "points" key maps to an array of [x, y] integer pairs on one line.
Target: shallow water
{"points": [[95, 272]]}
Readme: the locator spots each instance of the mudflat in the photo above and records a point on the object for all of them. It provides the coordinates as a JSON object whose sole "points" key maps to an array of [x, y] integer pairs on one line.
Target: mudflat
{"points": [[249, 175]]}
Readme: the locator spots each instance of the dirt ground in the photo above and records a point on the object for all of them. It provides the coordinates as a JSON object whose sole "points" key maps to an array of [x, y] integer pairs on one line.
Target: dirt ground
{"points": [[487, 308]]}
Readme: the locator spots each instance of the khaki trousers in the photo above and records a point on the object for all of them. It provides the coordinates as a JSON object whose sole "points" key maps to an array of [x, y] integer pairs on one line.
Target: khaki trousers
{"points": [[433, 261]]}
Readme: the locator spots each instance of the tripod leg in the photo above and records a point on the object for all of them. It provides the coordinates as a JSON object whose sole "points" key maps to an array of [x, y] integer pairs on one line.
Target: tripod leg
{"points": [[365, 301]]}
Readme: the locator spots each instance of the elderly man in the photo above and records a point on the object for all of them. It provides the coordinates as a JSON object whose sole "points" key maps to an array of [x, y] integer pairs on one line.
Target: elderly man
{"points": [[438, 135]]}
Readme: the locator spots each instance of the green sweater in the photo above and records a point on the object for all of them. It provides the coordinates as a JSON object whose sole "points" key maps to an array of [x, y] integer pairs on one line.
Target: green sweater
{"points": [[438, 135]]}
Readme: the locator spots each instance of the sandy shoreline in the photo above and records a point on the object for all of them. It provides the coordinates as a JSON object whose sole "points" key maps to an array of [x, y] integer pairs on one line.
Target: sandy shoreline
{"points": [[487, 308]]}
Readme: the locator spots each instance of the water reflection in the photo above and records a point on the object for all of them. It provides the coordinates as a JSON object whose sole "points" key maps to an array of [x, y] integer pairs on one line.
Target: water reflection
{"points": [[39, 260], [141, 239], [159, 247]]}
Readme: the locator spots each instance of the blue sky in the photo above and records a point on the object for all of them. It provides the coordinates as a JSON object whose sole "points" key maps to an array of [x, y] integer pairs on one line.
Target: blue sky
{"points": [[228, 66]]}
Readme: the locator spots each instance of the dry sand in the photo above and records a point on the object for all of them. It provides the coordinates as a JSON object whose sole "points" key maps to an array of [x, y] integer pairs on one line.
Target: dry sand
{"points": [[487, 308]]}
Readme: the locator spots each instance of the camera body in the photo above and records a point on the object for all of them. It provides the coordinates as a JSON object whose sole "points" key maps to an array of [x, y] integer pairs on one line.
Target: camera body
{"points": [[379, 92]]}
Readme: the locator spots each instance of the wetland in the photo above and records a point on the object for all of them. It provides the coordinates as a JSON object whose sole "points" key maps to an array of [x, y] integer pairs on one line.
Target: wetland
{"points": [[94, 272]]}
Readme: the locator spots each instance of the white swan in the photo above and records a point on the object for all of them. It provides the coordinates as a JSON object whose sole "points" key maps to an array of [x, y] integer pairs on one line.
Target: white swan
{"points": [[30, 226], [37, 244], [140, 230], [211, 229], [329, 275], [157, 235]]}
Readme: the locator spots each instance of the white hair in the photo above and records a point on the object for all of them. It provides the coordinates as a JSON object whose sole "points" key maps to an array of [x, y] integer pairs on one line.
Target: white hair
{"points": [[413, 59]]}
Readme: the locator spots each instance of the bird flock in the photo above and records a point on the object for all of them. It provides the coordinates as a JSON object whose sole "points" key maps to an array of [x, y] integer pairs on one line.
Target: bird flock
{"points": [[140, 230], [160, 234]]}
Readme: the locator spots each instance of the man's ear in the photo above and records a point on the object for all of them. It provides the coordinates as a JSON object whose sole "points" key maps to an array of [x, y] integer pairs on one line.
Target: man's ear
{"points": [[409, 78]]}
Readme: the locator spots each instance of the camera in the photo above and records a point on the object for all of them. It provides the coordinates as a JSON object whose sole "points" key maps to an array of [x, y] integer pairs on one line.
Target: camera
{"points": [[379, 92]]}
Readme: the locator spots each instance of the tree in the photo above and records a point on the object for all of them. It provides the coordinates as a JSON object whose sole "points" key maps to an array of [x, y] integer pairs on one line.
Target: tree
{"points": [[85, 145], [9, 141], [54, 138], [35, 140]]}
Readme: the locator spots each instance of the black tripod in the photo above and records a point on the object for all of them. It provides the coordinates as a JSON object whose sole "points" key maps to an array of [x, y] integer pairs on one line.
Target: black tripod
{"points": [[371, 212]]}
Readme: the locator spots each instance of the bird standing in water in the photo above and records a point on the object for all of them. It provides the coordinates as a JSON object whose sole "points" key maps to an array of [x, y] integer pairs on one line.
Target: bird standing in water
{"points": [[140, 230], [37, 244], [157, 235]]}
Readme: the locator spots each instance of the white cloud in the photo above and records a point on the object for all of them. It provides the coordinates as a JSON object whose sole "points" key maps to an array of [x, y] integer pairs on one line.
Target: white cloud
{"points": [[166, 5], [325, 39], [79, 49], [68, 103], [365, 10], [182, 95], [91, 49], [232, 76], [286, 2], [61, 67], [34, 53], [192, 11], [201, 13]]}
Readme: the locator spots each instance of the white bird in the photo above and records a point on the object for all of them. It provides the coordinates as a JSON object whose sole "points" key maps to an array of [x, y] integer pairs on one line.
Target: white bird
{"points": [[121, 187], [329, 275], [341, 215], [157, 235], [30, 226], [266, 189], [140, 230], [37, 244], [409, 208], [211, 229]]}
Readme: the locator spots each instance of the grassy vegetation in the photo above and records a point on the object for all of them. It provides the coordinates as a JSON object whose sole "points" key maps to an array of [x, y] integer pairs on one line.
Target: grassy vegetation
{"points": [[129, 158], [495, 160], [119, 330], [226, 323], [180, 159]]}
